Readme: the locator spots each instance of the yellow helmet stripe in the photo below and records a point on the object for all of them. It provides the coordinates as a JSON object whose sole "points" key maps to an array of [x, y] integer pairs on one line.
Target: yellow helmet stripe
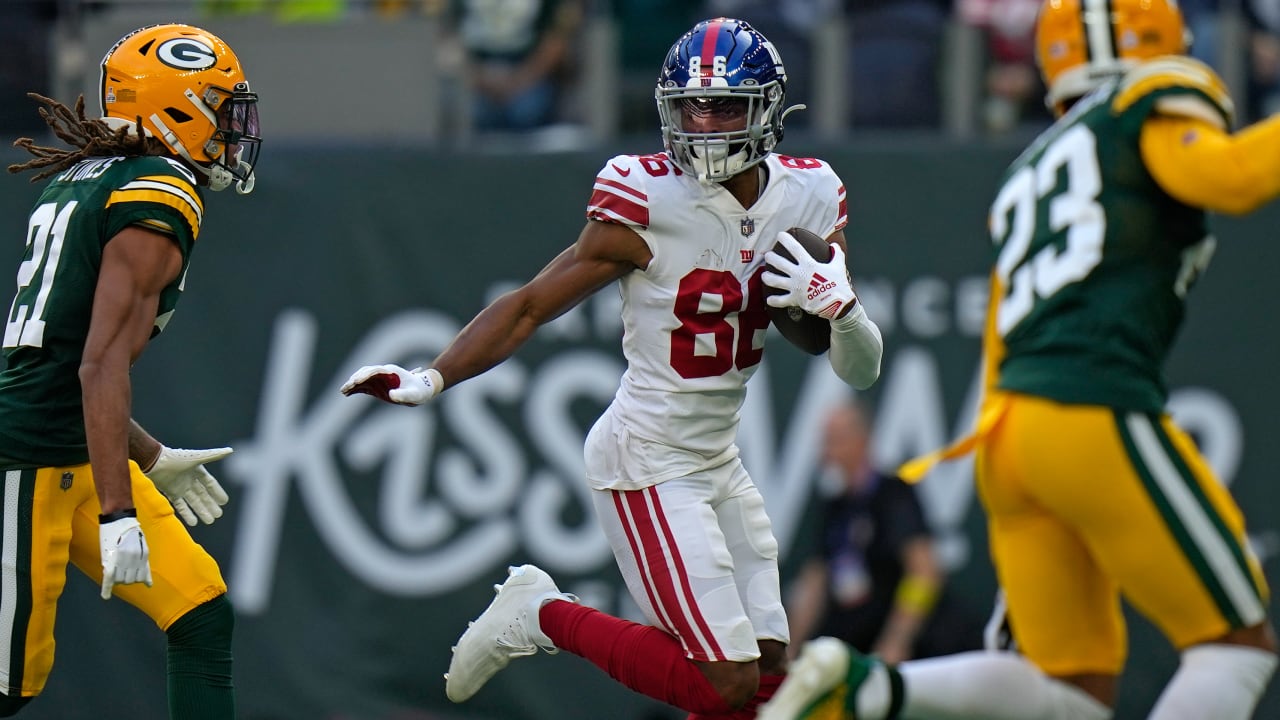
{"points": [[1099, 31]]}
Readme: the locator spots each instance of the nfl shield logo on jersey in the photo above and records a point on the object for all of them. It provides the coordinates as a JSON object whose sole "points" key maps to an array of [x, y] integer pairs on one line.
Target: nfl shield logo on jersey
{"points": [[748, 227], [67, 477]]}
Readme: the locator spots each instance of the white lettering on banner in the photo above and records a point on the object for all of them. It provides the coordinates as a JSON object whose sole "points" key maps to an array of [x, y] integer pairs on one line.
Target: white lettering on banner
{"points": [[1215, 425], [926, 306], [785, 470], [459, 491], [290, 445], [448, 512], [560, 441]]}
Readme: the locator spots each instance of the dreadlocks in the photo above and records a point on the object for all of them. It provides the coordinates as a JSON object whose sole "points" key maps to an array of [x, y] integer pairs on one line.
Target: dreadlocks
{"points": [[90, 138]]}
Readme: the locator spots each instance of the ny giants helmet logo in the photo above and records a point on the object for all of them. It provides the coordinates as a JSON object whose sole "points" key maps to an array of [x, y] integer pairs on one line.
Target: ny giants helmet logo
{"points": [[186, 54]]}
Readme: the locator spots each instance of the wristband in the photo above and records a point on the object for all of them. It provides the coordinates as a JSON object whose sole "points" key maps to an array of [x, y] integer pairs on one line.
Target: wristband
{"points": [[152, 465], [117, 515], [437, 380], [916, 594]]}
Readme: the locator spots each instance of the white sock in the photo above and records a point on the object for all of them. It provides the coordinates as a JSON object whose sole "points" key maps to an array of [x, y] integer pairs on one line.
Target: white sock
{"points": [[978, 686], [1223, 682]]}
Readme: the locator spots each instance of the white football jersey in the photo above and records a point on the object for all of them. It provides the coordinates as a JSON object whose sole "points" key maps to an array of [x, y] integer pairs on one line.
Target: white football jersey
{"points": [[694, 320]]}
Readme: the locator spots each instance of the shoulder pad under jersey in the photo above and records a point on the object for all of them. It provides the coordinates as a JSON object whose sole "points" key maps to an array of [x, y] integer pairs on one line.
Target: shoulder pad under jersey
{"points": [[622, 188], [158, 190], [1176, 85]]}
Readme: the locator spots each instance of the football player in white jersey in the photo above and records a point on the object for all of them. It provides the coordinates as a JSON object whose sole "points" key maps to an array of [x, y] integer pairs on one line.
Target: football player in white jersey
{"points": [[687, 234]]}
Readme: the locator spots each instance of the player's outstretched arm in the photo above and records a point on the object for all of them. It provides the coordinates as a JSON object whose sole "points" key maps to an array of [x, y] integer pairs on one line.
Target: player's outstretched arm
{"points": [[603, 253], [1205, 166]]}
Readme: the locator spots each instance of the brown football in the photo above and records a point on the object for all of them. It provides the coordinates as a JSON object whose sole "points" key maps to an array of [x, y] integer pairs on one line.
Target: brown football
{"points": [[810, 333]]}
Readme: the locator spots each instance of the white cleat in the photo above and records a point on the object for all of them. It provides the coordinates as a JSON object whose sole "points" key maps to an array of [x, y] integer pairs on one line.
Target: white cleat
{"points": [[816, 684], [507, 629]]}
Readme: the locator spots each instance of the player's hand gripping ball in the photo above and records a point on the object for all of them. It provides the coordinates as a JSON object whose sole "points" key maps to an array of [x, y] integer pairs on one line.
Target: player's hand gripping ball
{"points": [[810, 333]]}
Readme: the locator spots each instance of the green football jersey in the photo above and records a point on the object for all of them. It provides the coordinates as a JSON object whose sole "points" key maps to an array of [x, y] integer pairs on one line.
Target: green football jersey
{"points": [[1093, 259], [41, 412]]}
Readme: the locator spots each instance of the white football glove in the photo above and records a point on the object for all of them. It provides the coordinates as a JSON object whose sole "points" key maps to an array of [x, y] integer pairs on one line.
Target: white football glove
{"points": [[124, 552], [394, 384], [181, 476], [818, 288]]}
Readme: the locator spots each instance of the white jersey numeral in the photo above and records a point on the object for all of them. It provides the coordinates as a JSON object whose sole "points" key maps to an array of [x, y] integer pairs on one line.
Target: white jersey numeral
{"points": [[45, 233], [1073, 208]]}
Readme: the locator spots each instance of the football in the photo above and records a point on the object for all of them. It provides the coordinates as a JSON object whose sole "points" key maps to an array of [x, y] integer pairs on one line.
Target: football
{"points": [[810, 333]]}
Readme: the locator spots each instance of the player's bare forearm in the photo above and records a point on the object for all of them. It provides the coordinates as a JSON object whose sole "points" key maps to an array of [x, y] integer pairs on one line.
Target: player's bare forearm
{"points": [[106, 388], [501, 328], [136, 266], [106, 392], [807, 602], [143, 448], [491, 337]]}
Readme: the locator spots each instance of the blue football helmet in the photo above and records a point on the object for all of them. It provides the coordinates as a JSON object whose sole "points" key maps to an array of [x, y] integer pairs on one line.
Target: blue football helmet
{"points": [[726, 69]]}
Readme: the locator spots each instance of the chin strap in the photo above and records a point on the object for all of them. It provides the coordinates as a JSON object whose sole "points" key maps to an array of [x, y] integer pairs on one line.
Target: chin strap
{"points": [[219, 178], [245, 186]]}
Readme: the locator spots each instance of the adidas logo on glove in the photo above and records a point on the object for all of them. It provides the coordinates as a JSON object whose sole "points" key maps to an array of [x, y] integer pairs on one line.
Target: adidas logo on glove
{"points": [[819, 285]]}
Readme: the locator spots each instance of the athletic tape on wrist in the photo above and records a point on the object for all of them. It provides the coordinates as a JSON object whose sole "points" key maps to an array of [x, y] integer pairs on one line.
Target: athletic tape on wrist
{"points": [[435, 378]]}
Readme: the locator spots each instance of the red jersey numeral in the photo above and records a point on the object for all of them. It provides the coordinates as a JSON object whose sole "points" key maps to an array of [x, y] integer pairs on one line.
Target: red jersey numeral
{"points": [[658, 165], [734, 346], [799, 163]]}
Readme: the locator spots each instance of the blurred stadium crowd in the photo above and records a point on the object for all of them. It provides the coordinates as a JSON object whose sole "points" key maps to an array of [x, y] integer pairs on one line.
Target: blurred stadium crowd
{"points": [[965, 68]]}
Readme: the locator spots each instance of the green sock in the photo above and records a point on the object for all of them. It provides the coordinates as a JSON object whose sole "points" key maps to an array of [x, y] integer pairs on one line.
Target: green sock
{"points": [[200, 685], [9, 706]]}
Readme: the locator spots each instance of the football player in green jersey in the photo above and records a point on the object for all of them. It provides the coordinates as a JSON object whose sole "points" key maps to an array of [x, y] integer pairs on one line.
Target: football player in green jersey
{"points": [[1092, 493], [107, 250]]}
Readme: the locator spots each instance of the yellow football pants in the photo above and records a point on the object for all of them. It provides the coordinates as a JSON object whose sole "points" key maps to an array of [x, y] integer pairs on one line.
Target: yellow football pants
{"points": [[1088, 503], [50, 517]]}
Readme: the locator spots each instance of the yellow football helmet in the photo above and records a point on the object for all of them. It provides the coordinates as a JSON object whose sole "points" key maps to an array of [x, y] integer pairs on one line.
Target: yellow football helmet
{"points": [[1082, 43], [188, 88]]}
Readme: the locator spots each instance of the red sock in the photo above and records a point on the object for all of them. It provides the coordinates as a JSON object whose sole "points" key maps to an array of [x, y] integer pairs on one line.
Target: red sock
{"points": [[768, 686], [643, 658]]}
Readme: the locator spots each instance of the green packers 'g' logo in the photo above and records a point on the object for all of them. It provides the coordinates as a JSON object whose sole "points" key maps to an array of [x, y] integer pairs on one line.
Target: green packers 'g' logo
{"points": [[186, 53]]}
